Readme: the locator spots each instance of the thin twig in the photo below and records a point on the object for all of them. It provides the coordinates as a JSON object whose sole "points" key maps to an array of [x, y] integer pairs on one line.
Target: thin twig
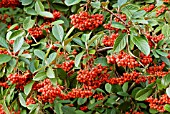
{"points": [[104, 49]]}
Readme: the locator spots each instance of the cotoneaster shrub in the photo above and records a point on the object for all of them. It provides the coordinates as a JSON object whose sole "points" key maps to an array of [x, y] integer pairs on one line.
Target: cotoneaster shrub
{"points": [[84, 57]]}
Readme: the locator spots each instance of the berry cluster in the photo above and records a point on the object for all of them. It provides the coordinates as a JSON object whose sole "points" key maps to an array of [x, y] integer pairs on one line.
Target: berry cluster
{"points": [[98, 96], [121, 16], [134, 112], [20, 80], [37, 32], [158, 104], [9, 3], [84, 108], [125, 60], [2, 51], [4, 84], [109, 27], [166, 1], [30, 100], [111, 59], [47, 91], [153, 69], [162, 10], [109, 40], [2, 110], [56, 15], [149, 8], [134, 76], [78, 93], [3, 17], [145, 59], [94, 78], [66, 66], [85, 21], [156, 39]]}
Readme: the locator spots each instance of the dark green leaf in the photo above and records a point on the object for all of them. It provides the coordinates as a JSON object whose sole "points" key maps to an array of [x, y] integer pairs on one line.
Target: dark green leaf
{"points": [[3, 42], [61, 73], [143, 94], [16, 34], [81, 101], [123, 94], [118, 25], [58, 32], [68, 110], [96, 4], [102, 61], [39, 53], [28, 23], [78, 59], [26, 2], [46, 14], [28, 87], [166, 80], [71, 2], [57, 108], [125, 87], [40, 76], [142, 44], [120, 43], [18, 44], [39, 6], [22, 100]]}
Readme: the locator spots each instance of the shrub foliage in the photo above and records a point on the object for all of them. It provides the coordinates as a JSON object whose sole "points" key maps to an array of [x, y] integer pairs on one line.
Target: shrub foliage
{"points": [[84, 56]]}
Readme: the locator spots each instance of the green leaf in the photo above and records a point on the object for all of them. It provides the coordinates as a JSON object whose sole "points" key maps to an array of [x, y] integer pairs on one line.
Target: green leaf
{"points": [[102, 61], [141, 43], [58, 32], [96, 4], [121, 2], [120, 43], [4, 58], [162, 53], [68, 110], [118, 25], [50, 73], [153, 111], [26, 2], [143, 94], [12, 27], [39, 53], [167, 107], [124, 94], [28, 87], [22, 100], [28, 23], [58, 22], [31, 11], [168, 91], [39, 76], [78, 59], [16, 34], [81, 101], [165, 59], [165, 80], [46, 14], [52, 57], [80, 112], [167, 16], [57, 108], [18, 44], [39, 6], [166, 30], [125, 87], [139, 14], [71, 2], [3, 42], [61, 73], [108, 87]]}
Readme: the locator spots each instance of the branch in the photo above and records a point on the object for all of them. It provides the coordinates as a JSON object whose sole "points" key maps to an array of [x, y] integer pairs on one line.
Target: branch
{"points": [[104, 49], [115, 15]]}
